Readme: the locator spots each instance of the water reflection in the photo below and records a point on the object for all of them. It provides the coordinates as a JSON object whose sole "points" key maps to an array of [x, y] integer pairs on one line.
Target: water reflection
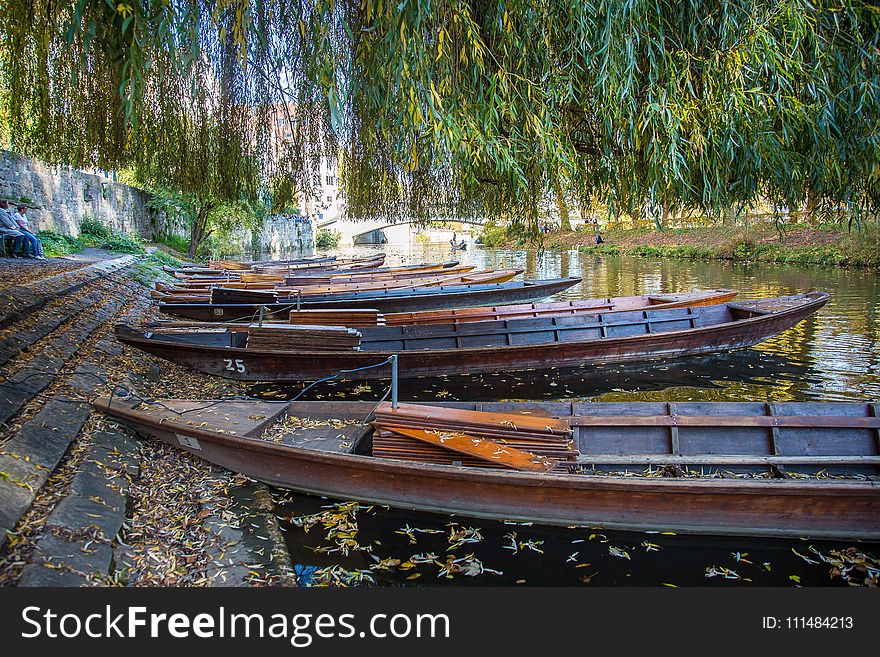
{"points": [[742, 374], [405, 548], [833, 356]]}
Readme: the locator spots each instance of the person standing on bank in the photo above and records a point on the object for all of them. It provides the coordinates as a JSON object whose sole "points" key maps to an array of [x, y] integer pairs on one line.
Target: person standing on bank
{"points": [[8, 228], [21, 219]]}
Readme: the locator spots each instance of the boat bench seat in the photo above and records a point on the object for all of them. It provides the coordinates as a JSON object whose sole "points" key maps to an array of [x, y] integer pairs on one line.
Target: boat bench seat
{"points": [[341, 440]]}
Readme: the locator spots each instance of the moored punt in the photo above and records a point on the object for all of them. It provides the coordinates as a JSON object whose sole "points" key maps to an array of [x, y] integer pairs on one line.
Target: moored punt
{"points": [[328, 263], [520, 344], [318, 275], [561, 308], [366, 317], [313, 288], [370, 262], [397, 300], [216, 266], [803, 469]]}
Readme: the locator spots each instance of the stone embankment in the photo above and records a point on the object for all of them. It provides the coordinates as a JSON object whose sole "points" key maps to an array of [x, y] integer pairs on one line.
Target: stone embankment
{"points": [[83, 501]]}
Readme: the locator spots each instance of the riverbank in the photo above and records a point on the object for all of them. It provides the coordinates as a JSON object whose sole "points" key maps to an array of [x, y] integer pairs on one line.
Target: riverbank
{"points": [[798, 244], [83, 501]]}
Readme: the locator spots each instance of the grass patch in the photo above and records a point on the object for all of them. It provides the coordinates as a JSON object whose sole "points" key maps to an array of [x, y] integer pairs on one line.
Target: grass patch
{"points": [[175, 242], [864, 255], [146, 271], [164, 258]]}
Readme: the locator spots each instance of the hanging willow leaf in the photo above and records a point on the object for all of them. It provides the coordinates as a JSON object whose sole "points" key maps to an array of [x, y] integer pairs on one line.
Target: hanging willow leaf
{"points": [[459, 107]]}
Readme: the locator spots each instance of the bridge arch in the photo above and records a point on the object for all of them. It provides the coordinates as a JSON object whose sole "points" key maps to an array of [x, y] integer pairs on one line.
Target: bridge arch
{"points": [[351, 230]]}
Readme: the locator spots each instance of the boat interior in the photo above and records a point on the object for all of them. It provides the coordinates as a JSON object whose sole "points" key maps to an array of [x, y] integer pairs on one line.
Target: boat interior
{"points": [[523, 331], [778, 440]]}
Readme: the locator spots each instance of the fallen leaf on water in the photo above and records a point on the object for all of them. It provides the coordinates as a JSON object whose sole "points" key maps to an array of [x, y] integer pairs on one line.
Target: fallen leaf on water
{"points": [[617, 552]]}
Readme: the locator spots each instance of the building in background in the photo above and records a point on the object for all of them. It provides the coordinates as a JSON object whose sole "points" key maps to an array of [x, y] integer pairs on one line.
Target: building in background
{"points": [[325, 203]]}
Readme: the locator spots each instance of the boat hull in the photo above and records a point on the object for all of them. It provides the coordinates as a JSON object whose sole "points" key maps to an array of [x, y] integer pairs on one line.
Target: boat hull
{"points": [[430, 299], [252, 365], [793, 508]]}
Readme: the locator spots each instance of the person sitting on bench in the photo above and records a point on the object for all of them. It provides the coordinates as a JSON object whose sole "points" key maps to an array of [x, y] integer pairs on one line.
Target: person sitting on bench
{"points": [[9, 229], [21, 220]]}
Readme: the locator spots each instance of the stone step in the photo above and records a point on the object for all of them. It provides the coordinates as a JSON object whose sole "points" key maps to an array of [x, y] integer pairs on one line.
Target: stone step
{"points": [[42, 369], [19, 301], [28, 458], [82, 527], [44, 322]]}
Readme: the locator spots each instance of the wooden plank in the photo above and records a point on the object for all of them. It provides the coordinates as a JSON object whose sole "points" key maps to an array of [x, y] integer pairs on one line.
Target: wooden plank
{"points": [[726, 459], [506, 421], [674, 441], [873, 410], [793, 421], [774, 432], [241, 418], [485, 450]]}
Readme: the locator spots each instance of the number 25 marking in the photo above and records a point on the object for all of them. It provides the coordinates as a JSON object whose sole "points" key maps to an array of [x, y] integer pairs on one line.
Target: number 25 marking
{"points": [[234, 366]]}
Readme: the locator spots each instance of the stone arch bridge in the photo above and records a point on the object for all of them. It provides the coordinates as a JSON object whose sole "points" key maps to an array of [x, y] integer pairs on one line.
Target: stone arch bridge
{"points": [[370, 231]]}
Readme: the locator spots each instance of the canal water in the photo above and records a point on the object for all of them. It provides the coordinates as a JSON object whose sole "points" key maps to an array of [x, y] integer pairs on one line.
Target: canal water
{"points": [[832, 356]]}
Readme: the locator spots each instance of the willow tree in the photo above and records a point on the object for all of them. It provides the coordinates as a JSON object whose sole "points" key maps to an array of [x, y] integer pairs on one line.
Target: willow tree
{"points": [[468, 107]]}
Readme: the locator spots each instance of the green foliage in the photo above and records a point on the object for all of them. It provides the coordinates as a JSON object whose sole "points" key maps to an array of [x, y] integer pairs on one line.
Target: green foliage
{"points": [[327, 239], [176, 242], [55, 244], [148, 269], [438, 107], [123, 243], [210, 223], [163, 258], [494, 235], [93, 228]]}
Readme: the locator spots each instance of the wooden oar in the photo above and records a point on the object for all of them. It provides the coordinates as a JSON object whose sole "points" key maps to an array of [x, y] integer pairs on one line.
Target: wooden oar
{"points": [[485, 450]]}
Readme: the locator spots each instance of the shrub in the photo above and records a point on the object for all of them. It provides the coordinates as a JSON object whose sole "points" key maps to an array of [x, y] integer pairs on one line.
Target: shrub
{"points": [[326, 239], [91, 227], [123, 243], [55, 244], [494, 235]]}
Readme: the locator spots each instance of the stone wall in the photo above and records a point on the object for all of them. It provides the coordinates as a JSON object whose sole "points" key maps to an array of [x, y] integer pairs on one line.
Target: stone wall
{"points": [[280, 237], [59, 197]]}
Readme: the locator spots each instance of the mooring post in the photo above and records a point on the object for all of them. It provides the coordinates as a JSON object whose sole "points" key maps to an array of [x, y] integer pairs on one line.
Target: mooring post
{"points": [[298, 298], [262, 312], [394, 381]]}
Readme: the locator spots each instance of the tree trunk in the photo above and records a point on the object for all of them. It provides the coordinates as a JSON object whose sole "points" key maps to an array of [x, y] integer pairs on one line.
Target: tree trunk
{"points": [[659, 219], [199, 230], [651, 210], [562, 207], [812, 206]]}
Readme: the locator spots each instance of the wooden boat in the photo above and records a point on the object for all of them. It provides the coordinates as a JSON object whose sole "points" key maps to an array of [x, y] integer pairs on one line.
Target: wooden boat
{"points": [[803, 469], [398, 300], [187, 295], [329, 263], [369, 262], [559, 308], [215, 266], [318, 275], [520, 344], [366, 317]]}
